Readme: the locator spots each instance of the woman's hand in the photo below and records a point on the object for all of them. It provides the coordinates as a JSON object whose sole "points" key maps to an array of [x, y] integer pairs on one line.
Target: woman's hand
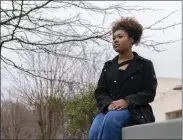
{"points": [[111, 106], [118, 105]]}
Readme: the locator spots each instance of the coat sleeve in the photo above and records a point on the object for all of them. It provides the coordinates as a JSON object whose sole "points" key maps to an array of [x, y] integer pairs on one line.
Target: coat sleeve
{"points": [[101, 93], [148, 90]]}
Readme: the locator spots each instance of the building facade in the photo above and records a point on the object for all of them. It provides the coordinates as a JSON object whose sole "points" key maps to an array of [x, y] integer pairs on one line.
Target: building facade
{"points": [[168, 101]]}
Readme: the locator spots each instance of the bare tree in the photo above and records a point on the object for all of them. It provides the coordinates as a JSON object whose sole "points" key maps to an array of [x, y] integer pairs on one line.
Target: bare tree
{"points": [[25, 26], [59, 54], [47, 96], [17, 121]]}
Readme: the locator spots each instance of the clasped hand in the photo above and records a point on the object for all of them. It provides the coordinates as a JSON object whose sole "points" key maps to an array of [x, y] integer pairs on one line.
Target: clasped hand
{"points": [[118, 105]]}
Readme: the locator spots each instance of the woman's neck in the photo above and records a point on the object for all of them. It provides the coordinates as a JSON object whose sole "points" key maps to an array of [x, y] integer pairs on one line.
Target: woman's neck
{"points": [[125, 56]]}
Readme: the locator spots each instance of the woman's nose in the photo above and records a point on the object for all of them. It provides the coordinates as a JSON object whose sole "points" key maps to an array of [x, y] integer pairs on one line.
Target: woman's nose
{"points": [[116, 41]]}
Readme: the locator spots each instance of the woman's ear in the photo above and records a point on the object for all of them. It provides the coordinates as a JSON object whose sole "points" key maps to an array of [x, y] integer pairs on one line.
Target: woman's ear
{"points": [[131, 40]]}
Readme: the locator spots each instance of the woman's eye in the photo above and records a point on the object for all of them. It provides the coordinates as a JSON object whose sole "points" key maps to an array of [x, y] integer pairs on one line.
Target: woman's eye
{"points": [[120, 36]]}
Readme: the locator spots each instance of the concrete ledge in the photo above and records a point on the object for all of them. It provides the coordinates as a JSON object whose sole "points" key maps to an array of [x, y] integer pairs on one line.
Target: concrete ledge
{"points": [[171, 129]]}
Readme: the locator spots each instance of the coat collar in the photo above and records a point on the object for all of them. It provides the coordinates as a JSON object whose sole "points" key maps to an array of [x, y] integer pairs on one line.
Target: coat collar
{"points": [[133, 67], [136, 57]]}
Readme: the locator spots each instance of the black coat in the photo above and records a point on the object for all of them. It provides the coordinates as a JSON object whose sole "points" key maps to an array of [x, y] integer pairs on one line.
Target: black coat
{"points": [[138, 87]]}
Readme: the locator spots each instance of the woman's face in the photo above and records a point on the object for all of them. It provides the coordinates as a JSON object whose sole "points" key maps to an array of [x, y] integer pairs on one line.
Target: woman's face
{"points": [[121, 41]]}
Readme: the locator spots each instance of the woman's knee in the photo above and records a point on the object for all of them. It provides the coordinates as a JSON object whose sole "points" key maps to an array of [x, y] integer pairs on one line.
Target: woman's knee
{"points": [[117, 117]]}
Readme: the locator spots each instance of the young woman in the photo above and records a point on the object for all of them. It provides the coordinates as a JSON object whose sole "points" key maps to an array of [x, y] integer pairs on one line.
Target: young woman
{"points": [[126, 85]]}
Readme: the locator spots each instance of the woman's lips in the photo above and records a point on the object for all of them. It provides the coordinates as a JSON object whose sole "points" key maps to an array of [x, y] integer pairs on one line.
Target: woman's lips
{"points": [[116, 45]]}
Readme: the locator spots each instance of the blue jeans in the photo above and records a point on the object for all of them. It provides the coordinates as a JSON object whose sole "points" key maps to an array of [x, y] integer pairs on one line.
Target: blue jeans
{"points": [[108, 126]]}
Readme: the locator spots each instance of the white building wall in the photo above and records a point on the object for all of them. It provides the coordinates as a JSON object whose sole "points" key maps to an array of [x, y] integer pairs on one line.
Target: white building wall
{"points": [[167, 99]]}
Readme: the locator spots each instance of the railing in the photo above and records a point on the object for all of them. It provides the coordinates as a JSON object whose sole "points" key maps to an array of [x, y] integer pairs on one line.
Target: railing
{"points": [[171, 129]]}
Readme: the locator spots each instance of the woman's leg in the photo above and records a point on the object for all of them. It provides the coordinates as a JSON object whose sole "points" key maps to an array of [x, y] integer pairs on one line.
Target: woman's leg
{"points": [[112, 124], [96, 127]]}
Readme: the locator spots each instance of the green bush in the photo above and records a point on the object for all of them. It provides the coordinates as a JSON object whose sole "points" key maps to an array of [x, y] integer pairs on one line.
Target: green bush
{"points": [[80, 112]]}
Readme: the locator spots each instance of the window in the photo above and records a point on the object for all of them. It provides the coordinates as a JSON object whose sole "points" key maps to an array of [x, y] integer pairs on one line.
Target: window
{"points": [[178, 87], [174, 115]]}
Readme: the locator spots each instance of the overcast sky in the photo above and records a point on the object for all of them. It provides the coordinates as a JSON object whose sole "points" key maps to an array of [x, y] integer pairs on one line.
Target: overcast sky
{"points": [[168, 62]]}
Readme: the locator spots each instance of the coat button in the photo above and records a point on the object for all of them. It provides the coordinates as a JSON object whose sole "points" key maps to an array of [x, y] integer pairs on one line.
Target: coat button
{"points": [[115, 81], [131, 77], [105, 70]]}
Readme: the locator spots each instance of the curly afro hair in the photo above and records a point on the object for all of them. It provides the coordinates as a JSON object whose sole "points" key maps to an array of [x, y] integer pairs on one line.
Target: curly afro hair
{"points": [[131, 26]]}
